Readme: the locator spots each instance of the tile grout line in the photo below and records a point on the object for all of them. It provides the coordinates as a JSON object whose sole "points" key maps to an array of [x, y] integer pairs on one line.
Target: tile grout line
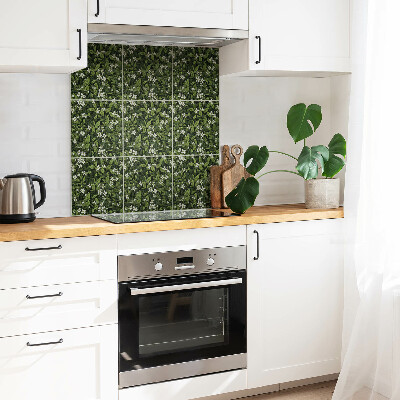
{"points": [[172, 127], [149, 100], [123, 132], [155, 156]]}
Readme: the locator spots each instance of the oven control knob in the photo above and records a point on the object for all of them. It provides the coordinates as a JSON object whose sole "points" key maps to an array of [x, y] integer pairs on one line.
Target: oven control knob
{"points": [[158, 266], [210, 261]]}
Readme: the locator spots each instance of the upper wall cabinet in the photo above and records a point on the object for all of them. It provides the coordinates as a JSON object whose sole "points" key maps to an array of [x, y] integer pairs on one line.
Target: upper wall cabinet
{"points": [[290, 38], [224, 14], [43, 35]]}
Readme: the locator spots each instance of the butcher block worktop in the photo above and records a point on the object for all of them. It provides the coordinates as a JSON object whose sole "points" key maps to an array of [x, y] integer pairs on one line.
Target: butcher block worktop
{"points": [[54, 228]]}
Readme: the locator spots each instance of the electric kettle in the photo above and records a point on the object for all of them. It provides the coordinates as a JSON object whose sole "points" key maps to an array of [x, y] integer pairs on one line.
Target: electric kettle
{"points": [[17, 198]]}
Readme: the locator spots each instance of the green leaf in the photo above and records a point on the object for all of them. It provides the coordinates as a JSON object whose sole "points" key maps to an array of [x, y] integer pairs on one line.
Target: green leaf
{"points": [[259, 156], [307, 165], [243, 196], [337, 146], [303, 121]]}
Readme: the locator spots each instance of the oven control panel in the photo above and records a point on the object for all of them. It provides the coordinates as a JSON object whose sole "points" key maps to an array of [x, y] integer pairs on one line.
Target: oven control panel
{"points": [[142, 266]]}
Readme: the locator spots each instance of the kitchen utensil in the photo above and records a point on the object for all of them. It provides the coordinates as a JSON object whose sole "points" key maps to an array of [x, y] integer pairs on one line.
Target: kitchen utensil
{"points": [[216, 178], [17, 198], [232, 176]]}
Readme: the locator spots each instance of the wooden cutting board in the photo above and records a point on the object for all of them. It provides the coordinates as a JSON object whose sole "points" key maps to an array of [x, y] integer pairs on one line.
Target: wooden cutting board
{"points": [[216, 178], [232, 176]]}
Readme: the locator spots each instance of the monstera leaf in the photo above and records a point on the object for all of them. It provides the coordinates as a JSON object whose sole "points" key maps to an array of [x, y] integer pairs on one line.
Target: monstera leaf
{"points": [[303, 121], [243, 196], [337, 146], [307, 165], [259, 157]]}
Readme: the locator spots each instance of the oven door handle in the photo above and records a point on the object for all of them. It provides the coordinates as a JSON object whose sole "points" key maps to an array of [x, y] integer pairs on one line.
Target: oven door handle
{"points": [[186, 286]]}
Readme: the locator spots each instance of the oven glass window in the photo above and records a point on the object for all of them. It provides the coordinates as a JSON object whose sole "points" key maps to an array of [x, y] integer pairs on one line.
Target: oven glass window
{"points": [[169, 327], [185, 320]]}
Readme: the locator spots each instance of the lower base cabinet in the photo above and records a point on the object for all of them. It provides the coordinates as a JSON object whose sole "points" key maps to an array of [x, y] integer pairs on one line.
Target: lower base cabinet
{"points": [[78, 364], [295, 301]]}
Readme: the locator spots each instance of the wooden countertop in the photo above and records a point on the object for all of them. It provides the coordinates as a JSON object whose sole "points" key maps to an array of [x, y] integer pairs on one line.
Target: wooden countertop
{"points": [[54, 228]]}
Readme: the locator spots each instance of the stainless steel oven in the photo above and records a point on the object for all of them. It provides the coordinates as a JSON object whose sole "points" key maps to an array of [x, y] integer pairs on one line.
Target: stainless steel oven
{"points": [[181, 314]]}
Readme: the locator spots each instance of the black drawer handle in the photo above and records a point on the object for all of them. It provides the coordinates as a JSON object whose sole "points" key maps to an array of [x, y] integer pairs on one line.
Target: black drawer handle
{"points": [[59, 247], [258, 246], [59, 294], [43, 344], [98, 9], [80, 43], [259, 49]]}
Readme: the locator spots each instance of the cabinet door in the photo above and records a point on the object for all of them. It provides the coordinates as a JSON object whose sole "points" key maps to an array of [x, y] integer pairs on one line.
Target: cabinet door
{"points": [[225, 14], [292, 38], [43, 36], [295, 301], [301, 35], [84, 366]]}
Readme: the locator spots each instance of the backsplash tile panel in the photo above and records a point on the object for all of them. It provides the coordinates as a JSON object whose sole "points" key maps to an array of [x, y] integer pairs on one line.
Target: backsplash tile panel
{"points": [[145, 129], [148, 183], [196, 74], [102, 79], [97, 185], [192, 181], [96, 128], [147, 73], [195, 124]]}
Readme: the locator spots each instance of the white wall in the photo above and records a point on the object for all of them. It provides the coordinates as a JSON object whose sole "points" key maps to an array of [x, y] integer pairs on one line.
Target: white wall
{"points": [[253, 111], [35, 134]]}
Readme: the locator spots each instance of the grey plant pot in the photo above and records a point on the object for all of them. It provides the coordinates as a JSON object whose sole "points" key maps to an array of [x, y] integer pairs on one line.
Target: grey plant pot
{"points": [[322, 193]]}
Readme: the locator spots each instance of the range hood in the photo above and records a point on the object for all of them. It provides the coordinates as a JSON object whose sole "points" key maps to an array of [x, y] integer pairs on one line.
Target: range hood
{"points": [[163, 36]]}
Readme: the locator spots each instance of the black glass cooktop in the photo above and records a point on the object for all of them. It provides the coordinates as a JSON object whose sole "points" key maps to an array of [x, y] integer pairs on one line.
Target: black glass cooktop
{"points": [[148, 216]]}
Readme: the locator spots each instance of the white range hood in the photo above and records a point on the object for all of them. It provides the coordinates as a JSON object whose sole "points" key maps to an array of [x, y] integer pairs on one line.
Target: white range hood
{"points": [[163, 36]]}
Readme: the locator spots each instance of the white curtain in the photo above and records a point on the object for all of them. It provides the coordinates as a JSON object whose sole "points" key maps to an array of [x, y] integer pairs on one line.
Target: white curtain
{"points": [[371, 332]]}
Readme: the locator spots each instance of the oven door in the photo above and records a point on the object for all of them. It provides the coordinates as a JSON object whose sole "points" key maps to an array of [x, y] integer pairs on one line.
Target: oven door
{"points": [[175, 327]]}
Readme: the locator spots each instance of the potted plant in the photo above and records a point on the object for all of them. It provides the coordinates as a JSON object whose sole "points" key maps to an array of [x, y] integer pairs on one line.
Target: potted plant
{"points": [[317, 165]]}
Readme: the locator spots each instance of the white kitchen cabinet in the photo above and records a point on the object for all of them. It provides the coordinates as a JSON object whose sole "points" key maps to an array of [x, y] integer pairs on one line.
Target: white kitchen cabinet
{"points": [[290, 38], [224, 14], [81, 364], [295, 301], [43, 35]]}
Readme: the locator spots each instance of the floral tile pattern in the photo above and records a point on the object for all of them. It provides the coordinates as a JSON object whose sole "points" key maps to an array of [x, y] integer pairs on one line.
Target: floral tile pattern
{"points": [[147, 73], [192, 181], [148, 182], [196, 73], [196, 127], [102, 79], [96, 128], [147, 128], [97, 185]]}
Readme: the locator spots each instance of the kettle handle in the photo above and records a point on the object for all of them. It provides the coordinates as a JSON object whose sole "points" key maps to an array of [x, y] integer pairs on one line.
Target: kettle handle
{"points": [[42, 186]]}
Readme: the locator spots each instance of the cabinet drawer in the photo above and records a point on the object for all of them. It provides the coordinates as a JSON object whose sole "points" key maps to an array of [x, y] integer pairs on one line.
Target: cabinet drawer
{"points": [[83, 366], [57, 307], [53, 261]]}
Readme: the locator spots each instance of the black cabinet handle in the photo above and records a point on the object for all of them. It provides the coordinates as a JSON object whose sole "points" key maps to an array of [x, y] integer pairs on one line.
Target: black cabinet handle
{"points": [[98, 9], [59, 294], [258, 246], [59, 247], [80, 43], [259, 49], [44, 344]]}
